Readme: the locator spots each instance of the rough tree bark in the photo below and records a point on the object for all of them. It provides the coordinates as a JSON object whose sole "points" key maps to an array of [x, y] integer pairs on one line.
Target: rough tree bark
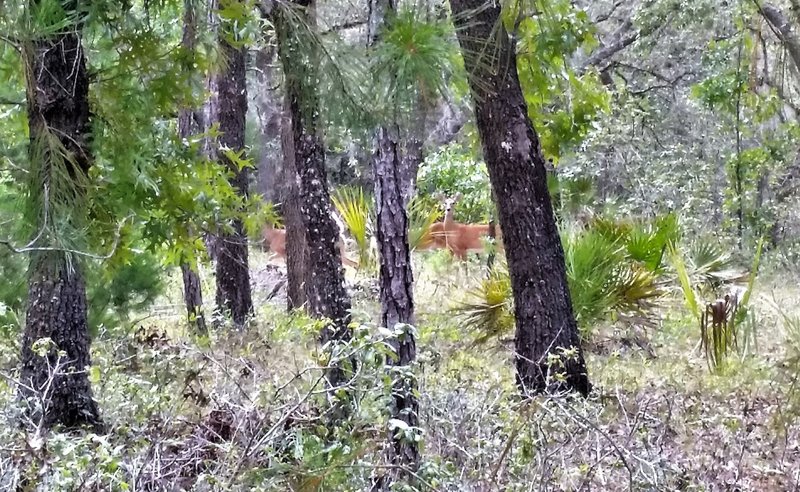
{"points": [[545, 322], [233, 273], [58, 105], [393, 181], [187, 126], [296, 247], [324, 282]]}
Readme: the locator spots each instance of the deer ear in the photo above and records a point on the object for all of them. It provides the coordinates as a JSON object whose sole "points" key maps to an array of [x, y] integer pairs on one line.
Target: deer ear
{"points": [[438, 196], [457, 197]]}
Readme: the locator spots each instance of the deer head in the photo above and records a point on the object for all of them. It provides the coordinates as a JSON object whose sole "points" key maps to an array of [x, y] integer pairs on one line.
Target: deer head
{"points": [[448, 204]]}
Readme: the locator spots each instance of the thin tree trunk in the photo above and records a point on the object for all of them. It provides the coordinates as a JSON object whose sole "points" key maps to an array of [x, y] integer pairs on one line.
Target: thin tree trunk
{"points": [[210, 114], [393, 180], [233, 274], [58, 106], [413, 147], [324, 282], [545, 322], [193, 297], [396, 293], [187, 126]]}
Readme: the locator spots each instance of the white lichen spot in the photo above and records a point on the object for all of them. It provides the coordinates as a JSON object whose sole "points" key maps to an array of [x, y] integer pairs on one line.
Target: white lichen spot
{"points": [[507, 146]]}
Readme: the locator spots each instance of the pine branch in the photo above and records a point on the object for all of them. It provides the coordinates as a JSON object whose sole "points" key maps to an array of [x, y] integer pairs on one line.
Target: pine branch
{"points": [[28, 248]]}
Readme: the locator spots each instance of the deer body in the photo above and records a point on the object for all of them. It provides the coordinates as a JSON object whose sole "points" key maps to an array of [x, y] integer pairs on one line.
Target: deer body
{"points": [[458, 238], [275, 241]]}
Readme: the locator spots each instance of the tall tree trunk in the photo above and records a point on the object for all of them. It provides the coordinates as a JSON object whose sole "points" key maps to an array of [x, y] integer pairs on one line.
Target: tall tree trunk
{"points": [[324, 282], [545, 322], [396, 292], [296, 247], [210, 113], [187, 126], [233, 273], [57, 387], [393, 181]]}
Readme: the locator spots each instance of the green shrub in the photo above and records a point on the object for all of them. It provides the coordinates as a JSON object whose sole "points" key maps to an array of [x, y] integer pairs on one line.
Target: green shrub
{"points": [[451, 171], [423, 212], [604, 280], [115, 292]]}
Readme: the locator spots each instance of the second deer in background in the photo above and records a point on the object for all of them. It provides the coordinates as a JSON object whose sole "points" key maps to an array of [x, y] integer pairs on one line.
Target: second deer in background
{"points": [[274, 240]]}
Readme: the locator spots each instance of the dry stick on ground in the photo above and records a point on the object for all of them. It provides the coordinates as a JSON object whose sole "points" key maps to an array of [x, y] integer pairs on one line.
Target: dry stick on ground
{"points": [[575, 415], [255, 442], [514, 433]]}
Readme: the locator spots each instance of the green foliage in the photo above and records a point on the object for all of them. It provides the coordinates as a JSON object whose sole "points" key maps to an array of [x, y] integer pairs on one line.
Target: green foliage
{"points": [[13, 290], [356, 209], [689, 293], [116, 292], [722, 90], [451, 171], [423, 212], [488, 307], [415, 55], [711, 266], [571, 195], [563, 104], [592, 261], [604, 280], [645, 242], [727, 321]]}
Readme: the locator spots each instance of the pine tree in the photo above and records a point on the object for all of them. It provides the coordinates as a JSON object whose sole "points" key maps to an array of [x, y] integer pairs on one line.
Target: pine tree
{"points": [[391, 185], [54, 374], [325, 294], [547, 344], [233, 273], [188, 124]]}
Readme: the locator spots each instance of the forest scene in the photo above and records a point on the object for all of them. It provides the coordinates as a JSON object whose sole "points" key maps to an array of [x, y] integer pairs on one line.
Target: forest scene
{"points": [[459, 245]]}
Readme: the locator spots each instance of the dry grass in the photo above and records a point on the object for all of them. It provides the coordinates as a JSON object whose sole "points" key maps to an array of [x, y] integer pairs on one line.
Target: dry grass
{"points": [[241, 411]]}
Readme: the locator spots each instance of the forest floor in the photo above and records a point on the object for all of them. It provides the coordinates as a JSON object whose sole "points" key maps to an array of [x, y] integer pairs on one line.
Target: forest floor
{"points": [[240, 411]]}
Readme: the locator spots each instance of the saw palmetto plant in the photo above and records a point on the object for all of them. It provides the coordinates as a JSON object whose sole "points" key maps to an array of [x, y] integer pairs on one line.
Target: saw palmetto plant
{"points": [[422, 214], [603, 281], [355, 207]]}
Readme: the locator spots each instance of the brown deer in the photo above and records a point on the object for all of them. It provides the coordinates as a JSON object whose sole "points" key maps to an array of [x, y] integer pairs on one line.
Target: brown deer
{"points": [[275, 242], [458, 238]]}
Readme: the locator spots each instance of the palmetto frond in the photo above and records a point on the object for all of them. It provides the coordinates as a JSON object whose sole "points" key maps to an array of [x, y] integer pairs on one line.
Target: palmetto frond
{"points": [[421, 216], [355, 208]]}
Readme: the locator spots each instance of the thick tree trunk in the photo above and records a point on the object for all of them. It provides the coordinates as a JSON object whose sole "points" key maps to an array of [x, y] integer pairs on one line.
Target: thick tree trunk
{"points": [[324, 286], [57, 387], [57, 310], [233, 274], [187, 126], [544, 317]]}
